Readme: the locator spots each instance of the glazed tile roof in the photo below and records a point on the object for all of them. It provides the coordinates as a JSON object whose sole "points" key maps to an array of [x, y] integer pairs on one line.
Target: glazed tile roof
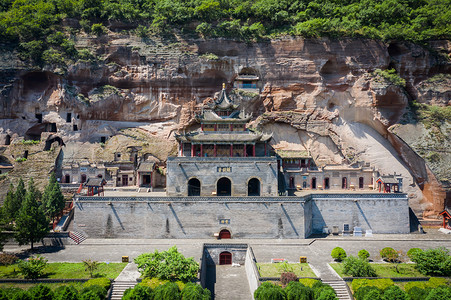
{"points": [[224, 137], [293, 153]]}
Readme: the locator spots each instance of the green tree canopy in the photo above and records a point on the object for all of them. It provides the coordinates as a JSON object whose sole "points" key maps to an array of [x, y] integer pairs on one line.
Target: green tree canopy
{"points": [[53, 199], [31, 223]]}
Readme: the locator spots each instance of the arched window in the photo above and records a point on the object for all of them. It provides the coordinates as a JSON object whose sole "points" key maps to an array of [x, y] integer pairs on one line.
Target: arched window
{"points": [[313, 186], [360, 182], [225, 258], [194, 187], [326, 183], [253, 187], [224, 187], [344, 183], [225, 234]]}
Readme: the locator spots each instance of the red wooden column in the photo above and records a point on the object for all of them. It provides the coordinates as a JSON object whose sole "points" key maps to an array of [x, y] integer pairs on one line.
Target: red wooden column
{"points": [[253, 150], [202, 127], [244, 154], [216, 127], [215, 150], [231, 127], [201, 150], [231, 150], [192, 150]]}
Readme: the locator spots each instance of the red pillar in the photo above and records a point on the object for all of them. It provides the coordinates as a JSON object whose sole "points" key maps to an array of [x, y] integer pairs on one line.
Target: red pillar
{"points": [[253, 150], [231, 150], [202, 127], [216, 127], [244, 154], [215, 150], [201, 150], [231, 127], [192, 150]]}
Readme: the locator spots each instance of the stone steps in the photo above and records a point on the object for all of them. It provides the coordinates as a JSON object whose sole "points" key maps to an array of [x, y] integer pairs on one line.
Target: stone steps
{"points": [[118, 288], [77, 237], [340, 289]]}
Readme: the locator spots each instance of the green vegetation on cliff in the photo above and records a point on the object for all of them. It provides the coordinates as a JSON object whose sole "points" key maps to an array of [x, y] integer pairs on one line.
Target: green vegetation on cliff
{"points": [[36, 25]]}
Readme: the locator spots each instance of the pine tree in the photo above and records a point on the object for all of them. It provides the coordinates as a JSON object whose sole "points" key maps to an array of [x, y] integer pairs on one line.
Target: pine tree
{"points": [[10, 208], [53, 199], [31, 222], [19, 195]]}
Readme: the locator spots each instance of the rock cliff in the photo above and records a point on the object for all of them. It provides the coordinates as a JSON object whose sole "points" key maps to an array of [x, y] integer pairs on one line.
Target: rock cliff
{"points": [[318, 94]]}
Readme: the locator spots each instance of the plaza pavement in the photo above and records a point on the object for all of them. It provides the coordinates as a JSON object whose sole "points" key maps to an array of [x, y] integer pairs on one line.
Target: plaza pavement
{"points": [[317, 250]]}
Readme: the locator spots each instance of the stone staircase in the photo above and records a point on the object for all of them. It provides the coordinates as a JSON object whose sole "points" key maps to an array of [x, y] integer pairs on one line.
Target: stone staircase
{"points": [[118, 288], [77, 237], [340, 289]]}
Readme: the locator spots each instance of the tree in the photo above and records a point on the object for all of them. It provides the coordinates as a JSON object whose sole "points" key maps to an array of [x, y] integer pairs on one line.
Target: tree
{"points": [[31, 223], [41, 292], [338, 254], [296, 290], [433, 261], [357, 267], [90, 266], [53, 199], [169, 290], [268, 290], [170, 265], [10, 206], [33, 267], [363, 254]]}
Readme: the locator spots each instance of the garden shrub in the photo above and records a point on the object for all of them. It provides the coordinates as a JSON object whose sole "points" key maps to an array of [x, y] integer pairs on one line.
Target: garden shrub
{"points": [[66, 293], [327, 294], [265, 291], [297, 291], [169, 290], [194, 291], [96, 289], [7, 259], [389, 254], [440, 293], [415, 284], [319, 288], [41, 292], [103, 282], [90, 295], [153, 282], [170, 265], [357, 267], [19, 294], [363, 254], [395, 293], [412, 252], [139, 292], [309, 282], [3, 295], [287, 277], [362, 292], [374, 294], [435, 282], [32, 267], [433, 261], [382, 283], [417, 293], [338, 254]]}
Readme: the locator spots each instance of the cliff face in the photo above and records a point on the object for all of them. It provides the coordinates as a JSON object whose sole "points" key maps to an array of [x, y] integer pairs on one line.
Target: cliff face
{"points": [[317, 94]]}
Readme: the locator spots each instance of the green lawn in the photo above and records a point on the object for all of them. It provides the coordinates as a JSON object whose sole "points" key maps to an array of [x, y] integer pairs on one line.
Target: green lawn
{"points": [[385, 270], [67, 270], [274, 270]]}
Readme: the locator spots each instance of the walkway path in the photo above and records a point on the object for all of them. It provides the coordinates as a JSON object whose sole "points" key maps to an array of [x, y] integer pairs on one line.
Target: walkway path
{"points": [[231, 283], [125, 280]]}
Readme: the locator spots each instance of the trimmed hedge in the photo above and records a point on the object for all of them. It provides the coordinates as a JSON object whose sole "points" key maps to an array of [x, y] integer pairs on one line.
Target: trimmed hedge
{"points": [[389, 254], [338, 254], [363, 254], [382, 283]]}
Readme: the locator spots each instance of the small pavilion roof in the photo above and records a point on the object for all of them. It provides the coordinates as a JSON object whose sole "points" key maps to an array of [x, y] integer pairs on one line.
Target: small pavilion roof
{"points": [[390, 179], [446, 213], [95, 181], [146, 166], [235, 117], [223, 102]]}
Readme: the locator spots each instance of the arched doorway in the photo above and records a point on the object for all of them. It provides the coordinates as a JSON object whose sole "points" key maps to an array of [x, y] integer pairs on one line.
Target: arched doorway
{"points": [[67, 178], [360, 182], [326, 183], [225, 258], [313, 183], [253, 187], [225, 234], [194, 187], [83, 178], [224, 187], [344, 183]]}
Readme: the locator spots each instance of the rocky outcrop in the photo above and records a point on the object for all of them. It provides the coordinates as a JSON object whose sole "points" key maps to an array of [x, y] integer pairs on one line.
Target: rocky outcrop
{"points": [[322, 89]]}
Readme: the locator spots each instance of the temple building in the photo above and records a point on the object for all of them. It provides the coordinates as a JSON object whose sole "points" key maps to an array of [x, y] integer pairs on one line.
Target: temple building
{"points": [[223, 157]]}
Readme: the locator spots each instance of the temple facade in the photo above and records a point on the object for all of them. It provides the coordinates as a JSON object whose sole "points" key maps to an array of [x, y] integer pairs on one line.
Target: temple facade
{"points": [[223, 157]]}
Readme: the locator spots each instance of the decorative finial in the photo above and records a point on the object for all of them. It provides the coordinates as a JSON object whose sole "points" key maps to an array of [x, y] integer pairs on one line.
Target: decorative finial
{"points": [[223, 86]]}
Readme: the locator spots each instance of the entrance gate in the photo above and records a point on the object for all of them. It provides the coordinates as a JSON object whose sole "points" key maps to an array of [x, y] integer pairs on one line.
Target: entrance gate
{"points": [[224, 187]]}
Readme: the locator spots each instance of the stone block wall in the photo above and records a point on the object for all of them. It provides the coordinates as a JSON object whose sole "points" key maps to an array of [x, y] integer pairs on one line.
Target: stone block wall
{"points": [[208, 170]]}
